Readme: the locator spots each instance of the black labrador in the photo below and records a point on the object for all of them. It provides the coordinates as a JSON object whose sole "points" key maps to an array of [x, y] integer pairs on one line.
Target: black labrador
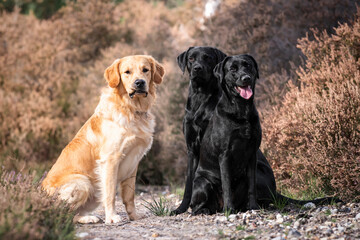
{"points": [[204, 93], [226, 175]]}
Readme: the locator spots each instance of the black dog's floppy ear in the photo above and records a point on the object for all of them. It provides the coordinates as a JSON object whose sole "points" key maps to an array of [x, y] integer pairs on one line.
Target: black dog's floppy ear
{"points": [[255, 64], [219, 69], [182, 59]]}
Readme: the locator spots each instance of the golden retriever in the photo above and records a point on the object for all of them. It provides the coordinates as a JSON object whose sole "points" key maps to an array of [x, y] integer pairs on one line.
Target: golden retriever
{"points": [[108, 148]]}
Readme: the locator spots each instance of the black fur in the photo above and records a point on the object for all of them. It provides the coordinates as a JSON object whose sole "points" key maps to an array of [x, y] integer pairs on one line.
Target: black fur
{"points": [[227, 166], [204, 93]]}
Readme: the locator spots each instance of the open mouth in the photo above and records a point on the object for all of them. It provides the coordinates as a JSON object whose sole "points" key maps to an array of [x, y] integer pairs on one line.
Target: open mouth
{"points": [[138, 92], [245, 92]]}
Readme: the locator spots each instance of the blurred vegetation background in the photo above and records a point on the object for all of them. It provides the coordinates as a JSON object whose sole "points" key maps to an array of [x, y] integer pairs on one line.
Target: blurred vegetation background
{"points": [[53, 55]]}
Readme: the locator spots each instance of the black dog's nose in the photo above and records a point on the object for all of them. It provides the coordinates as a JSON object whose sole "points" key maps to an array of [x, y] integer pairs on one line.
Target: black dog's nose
{"points": [[245, 78], [139, 83], [197, 68]]}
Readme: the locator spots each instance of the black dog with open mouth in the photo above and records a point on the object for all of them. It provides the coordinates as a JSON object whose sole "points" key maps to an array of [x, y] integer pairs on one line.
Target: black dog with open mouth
{"points": [[204, 93], [226, 176]]}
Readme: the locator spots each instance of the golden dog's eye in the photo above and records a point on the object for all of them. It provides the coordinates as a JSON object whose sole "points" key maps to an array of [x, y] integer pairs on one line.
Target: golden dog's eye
{"points": [[145, 70], [127, 72]]}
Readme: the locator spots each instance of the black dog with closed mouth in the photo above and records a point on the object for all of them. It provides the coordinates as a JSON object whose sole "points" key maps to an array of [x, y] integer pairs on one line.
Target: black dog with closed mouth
{"points": [[204, 93], [226, 175]]}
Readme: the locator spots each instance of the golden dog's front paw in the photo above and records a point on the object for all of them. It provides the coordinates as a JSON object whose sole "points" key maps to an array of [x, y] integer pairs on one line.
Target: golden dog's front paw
{"points": [[112, 219], [135, 216], [86, 219]]}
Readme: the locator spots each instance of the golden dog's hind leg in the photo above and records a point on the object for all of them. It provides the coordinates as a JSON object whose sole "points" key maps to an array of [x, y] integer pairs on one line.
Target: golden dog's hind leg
{"points": [[128, 195], [84, 215], [78, 192]]}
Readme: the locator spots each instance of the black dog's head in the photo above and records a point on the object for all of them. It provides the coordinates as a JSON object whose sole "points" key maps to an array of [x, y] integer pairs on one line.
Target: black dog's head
{"points": [[200, 62], [238, 75]]}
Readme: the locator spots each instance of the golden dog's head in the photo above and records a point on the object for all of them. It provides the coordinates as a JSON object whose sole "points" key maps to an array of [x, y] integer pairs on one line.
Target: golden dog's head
{"points": [[135, 75]]}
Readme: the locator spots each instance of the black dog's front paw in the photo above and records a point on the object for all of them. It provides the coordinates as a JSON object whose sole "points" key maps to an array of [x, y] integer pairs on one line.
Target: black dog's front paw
{"points": [[253, 206], [204, 211], [177, 211]]}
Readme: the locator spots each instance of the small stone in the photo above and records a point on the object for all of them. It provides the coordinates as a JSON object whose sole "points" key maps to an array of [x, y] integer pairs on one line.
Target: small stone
{"points": [[309, 205], [271, 216], [82, 234], [296, 224], [345, 210], [220, 219], [279, 218], [333, 211], [294, 233], [232, 217], [155, 235], [357, 217], [328, 232]]}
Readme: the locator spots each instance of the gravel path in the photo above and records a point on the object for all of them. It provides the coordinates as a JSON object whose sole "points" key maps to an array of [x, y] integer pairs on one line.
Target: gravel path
{"points": [[340, 221]]}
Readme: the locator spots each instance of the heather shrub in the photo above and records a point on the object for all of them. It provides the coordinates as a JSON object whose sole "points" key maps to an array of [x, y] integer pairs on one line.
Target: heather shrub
{"points": [[315, 134], [268, 30], [26, 212], [42, 64]]}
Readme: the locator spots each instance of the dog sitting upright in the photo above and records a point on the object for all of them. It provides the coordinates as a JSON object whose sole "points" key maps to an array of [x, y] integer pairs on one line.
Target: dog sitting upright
{"points": [[107, 149], [204, 93], [226, 176]]}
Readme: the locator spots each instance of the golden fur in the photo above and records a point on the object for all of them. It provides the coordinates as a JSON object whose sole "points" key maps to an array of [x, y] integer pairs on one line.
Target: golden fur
{"points": [[107, 149]]}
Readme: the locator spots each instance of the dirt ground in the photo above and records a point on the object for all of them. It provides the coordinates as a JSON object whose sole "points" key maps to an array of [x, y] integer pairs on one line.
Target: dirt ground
{"points": [[340, 221]]}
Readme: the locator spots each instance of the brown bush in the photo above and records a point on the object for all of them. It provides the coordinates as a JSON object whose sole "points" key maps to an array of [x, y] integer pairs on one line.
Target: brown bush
{"points": [[315, 134], [41, 64], [26, 212], [268, 30], [51, 75]]}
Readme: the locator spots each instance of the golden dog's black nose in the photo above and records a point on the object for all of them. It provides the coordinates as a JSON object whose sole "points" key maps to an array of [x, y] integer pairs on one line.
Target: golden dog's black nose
{"points": [[139, 83]]}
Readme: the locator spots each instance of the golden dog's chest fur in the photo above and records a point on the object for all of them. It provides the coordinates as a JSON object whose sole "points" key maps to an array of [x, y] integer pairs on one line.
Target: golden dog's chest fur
{"points": [[108, 148]]}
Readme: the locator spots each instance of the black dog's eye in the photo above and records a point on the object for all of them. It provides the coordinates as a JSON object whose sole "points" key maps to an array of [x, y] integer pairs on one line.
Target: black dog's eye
{"points": [[127, 72], [191, 59], [145, 70], [233, 69], [245, 64]]}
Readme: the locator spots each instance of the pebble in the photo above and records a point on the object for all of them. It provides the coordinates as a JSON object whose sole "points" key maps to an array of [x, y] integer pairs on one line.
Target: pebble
{"points": [[357, 217], [294, 233], [333, 211], [296, 224], [82, 234], [220, 219], [232, 217], [155, 235], [279, 218], [309, 205]]}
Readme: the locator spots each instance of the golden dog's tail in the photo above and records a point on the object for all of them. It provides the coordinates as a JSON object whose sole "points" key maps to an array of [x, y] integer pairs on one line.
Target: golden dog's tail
{"points": [[75, 189]]}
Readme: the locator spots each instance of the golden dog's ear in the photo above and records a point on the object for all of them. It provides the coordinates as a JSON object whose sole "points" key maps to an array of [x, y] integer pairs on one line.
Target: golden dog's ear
{"points": [[112, 74], [157, 70]]}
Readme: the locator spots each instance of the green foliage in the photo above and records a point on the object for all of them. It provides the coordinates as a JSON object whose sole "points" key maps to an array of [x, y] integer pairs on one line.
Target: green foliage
{"points": [[43, 9], [240, 227], [158, 207]]}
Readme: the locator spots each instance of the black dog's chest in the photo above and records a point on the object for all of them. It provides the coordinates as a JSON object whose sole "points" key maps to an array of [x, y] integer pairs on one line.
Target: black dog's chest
{"points": [[243, 131]]}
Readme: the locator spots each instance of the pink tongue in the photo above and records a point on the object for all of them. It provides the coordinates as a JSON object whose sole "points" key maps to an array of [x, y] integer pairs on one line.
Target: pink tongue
{"points": [[245, 92]]}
